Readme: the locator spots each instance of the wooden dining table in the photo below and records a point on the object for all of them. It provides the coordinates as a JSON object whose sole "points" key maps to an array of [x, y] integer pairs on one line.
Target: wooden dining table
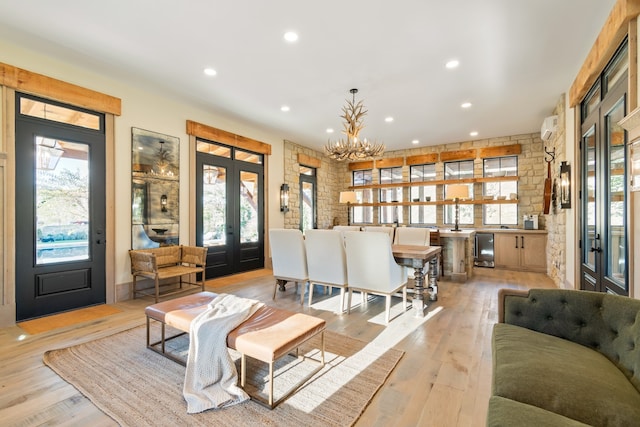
{"points": [[417, 257]]}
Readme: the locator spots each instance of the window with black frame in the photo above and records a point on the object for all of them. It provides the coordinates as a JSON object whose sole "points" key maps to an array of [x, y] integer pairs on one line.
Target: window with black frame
{"points": [[455, 171], [423, 214], [391, 214], [362, 214], [500, 214]]}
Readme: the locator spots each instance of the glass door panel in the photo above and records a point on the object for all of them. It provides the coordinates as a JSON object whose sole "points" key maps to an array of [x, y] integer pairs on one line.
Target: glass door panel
{"points": [[249, 202], [214, 208], [62, 201], [307, 204], [590, 214], [616, 204]]}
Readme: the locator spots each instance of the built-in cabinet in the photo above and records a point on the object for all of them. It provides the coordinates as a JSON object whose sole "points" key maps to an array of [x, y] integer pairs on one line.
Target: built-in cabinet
{"points": [[521, 250]]}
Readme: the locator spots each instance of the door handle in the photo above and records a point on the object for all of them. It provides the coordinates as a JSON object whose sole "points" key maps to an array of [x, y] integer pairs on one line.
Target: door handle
{"points": [[516, 242], [595, 246], [522, 245]]}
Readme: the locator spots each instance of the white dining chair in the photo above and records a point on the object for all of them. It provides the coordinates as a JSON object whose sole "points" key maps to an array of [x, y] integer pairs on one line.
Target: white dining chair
{"points": [[381, 229], [289, 258], [417, 236], [346, 228], [371, 268], [326, 262]]}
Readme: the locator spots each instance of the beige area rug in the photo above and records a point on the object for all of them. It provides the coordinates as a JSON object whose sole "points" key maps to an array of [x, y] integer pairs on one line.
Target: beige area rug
{"points": [[138, 387]]}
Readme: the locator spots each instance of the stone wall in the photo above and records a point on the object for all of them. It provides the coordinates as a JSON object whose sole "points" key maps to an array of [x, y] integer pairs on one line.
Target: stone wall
{"points": [[328, 187], [557, 218]]}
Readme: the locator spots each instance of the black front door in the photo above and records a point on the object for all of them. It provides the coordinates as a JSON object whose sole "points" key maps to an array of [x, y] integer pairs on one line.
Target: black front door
{"points": [[60, 208], [229, 208]]}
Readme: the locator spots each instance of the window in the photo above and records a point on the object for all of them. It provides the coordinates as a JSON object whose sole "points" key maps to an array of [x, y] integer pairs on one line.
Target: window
{"points": [[497, 214], [456, 171], [390, 214], [363, 214], [308, 210], [423, 214]]}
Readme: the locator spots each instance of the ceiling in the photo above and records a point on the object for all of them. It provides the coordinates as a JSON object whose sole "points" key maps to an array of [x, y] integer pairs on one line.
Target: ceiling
{"points": [[516, 59]]}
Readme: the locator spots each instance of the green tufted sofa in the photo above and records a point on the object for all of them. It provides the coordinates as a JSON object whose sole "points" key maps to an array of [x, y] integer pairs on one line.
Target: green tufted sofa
{"points": [[565, 358]]}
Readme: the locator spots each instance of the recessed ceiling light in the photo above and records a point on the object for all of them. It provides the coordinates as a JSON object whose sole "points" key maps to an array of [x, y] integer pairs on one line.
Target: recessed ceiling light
{"points": [[415, 141], [466, 105], [452, 64], [285, 108], [474, 133], [388, 119], [329, 130], [290, 36], [210, 72]]}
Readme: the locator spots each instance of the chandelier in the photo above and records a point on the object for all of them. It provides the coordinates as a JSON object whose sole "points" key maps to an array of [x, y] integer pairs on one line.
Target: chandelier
{"points": [[352, 148]]}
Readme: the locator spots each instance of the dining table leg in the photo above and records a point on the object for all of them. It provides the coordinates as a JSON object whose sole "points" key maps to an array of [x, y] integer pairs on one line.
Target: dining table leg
{"points": [[433, 279], [418, 296]]}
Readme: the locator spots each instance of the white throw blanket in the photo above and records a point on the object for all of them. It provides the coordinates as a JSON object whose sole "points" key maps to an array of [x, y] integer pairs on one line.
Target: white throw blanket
{"points": [[211, 376]]}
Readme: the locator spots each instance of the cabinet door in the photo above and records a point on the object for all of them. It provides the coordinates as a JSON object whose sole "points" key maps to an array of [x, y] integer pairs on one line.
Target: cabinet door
{"points": [[507, 250], [534, 252]]}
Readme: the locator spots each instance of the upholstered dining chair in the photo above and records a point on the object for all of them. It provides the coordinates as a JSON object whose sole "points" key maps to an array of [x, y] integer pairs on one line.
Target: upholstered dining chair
{"points": [[412, 236], [372, 269], [289, 258], [346, 228], [326, 262], [381, 229]]}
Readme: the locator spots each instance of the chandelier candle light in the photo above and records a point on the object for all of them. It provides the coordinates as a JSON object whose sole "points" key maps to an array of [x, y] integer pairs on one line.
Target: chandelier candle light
{"points": [[456, 192], [352, 148]]}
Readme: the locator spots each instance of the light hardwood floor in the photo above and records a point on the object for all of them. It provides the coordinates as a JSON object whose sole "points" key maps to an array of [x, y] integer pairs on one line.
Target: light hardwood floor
{"points": [[444, 378]]}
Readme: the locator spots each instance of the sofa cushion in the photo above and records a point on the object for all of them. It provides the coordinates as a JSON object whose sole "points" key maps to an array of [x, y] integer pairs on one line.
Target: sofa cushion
{"points": [[562, 377], [509, 413]]}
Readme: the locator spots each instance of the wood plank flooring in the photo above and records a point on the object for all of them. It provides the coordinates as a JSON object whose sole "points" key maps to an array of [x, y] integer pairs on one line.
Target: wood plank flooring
{"points": [[444, 378]]}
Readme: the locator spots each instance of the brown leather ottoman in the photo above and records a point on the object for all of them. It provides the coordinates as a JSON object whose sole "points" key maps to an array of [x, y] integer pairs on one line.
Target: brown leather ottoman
{"points": [[267, 335]]}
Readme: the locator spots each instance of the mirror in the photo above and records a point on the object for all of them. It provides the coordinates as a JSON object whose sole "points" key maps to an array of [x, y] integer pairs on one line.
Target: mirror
{"points": [[155, 189]]}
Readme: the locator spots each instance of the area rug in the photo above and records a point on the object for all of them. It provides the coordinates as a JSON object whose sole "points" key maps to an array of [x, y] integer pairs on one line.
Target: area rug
{"points": [[61, 320], [138, 387]]}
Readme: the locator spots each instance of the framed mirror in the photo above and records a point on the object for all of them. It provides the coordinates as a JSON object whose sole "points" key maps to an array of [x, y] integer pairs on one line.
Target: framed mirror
{"points": [[155, 189]]}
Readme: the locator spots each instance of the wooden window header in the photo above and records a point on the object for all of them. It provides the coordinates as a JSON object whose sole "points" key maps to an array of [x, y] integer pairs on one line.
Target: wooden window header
{"points": [[422, 159], [57, 90], [447, 156], [218, 135], [505, 150], [313, 162], [611, 35], [390, 163], [354, 166]]}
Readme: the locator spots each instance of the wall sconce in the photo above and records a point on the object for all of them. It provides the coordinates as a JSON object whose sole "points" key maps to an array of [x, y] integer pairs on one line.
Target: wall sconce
{"points": [[284, 198], [565, 185], [163, 203], [456, 192], [348, 197]]}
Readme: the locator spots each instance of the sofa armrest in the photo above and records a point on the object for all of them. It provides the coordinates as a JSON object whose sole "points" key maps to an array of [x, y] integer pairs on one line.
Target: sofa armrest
{"points": [[143, 262], [503, 294], [194, 255]]}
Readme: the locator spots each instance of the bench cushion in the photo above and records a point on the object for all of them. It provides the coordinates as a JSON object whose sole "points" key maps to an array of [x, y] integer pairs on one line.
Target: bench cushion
{"points": [[509, 413], [267, 335], [561, 376]]}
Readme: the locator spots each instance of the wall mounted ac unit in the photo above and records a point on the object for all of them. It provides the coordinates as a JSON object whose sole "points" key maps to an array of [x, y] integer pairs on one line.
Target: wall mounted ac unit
{"points": [[549, 126]]}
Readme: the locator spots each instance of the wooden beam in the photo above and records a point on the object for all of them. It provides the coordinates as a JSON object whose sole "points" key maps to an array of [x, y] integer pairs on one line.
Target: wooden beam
{"points": [[613, 32], [390, 162], [313, 162], [505, 150], [47, 87], [458, 155], [422, 159], [218, 135], [354, 166]]}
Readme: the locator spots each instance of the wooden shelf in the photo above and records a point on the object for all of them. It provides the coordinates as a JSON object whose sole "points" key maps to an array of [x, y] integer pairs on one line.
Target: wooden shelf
{"points": [[437, 202], [437, 182]]}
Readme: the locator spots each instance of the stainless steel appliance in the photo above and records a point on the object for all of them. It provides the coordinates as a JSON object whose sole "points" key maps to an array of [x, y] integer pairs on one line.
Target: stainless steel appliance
{"points": [[483, 253]]}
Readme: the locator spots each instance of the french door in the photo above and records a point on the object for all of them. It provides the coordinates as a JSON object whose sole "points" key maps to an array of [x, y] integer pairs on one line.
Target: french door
{"points": [[60, 208], [229, 208], [603, 195]]}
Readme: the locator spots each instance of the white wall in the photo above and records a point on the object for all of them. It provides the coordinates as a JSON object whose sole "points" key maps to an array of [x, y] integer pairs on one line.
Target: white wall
{"points": [[159, 113]]}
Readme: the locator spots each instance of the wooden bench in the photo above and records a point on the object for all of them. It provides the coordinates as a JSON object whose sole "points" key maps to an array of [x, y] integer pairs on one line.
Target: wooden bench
{"points": [[269, 334], [167, 262]]}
